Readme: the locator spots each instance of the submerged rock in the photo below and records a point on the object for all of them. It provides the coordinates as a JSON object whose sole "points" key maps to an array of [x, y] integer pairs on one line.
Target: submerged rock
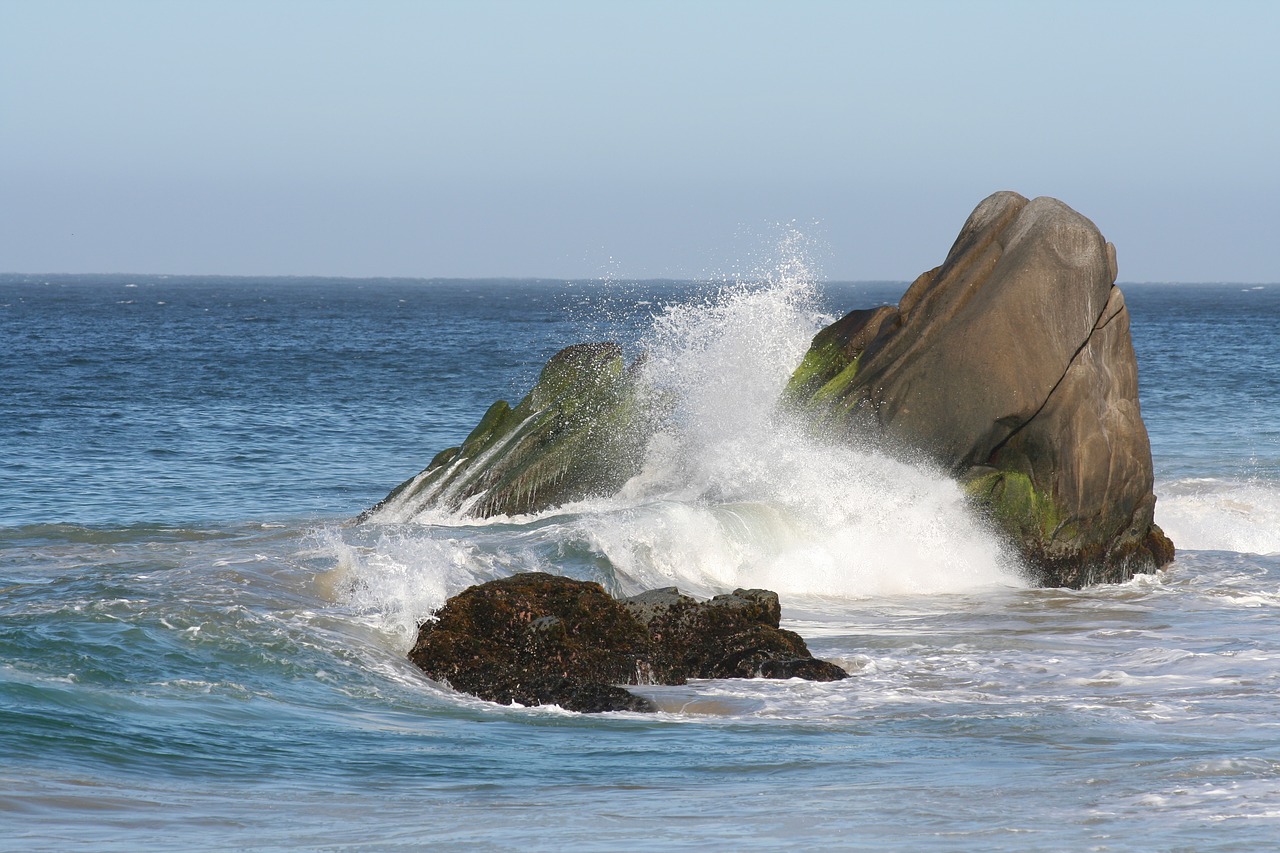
{"points": [[1011, 365], [540, 639], [581, 431]]}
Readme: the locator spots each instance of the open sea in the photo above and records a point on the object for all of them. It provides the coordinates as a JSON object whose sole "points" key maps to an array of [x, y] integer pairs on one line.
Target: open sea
{"points": [[200, 650]]}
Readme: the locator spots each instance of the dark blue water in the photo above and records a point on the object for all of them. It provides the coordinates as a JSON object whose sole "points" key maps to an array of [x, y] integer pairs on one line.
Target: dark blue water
{"points": [[1209, 387], [197, 652]]}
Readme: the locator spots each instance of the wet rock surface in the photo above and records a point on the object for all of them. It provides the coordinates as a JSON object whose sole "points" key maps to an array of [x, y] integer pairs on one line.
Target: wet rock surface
{"points": [[540, 639]]}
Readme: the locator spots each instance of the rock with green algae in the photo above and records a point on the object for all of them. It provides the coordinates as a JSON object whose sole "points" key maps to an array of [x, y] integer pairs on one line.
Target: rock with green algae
{"points": [[1010, 365], [580, 431]]}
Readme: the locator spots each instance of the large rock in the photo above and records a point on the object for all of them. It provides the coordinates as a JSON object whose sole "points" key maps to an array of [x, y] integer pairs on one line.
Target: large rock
{"points": [[1010, 365], [542, 639], [537, 639], [581, 431]]}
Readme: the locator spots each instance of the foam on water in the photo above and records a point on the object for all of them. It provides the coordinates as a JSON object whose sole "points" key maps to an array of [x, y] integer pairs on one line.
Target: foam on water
{"points": [[402, 576], [1219, 514], [803, 520]]}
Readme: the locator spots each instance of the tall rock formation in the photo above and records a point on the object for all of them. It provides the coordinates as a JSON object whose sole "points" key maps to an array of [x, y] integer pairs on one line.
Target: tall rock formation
{"points": [[1011, 366]]}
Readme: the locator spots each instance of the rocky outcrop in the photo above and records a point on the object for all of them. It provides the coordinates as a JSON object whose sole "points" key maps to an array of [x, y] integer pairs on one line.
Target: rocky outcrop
{"points": [[581, 431], [1011, 366], [540, 639]]}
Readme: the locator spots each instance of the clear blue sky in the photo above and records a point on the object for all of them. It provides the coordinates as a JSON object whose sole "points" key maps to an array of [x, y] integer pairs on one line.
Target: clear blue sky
{"points": [[636, 139]]}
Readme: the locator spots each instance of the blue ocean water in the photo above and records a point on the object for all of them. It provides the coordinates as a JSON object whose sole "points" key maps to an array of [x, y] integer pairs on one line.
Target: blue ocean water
{"points": [[199, 651]]}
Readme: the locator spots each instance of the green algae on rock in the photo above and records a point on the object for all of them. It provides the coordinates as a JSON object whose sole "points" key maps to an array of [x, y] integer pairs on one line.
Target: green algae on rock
{"points": [[824, 377], [580, 431]]}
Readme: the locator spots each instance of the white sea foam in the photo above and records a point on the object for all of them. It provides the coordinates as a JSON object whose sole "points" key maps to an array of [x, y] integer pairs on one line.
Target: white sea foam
{"points": [[401, 577], [735, 494], [1213, 514], [837, 524]]}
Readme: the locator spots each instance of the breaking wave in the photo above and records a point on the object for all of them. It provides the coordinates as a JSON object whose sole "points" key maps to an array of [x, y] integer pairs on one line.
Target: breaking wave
{"points": [[731, 494], [1219, 514]]}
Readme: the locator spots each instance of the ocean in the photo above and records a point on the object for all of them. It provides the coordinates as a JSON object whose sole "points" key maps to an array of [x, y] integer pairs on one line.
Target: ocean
{"points": [[200, 650]]}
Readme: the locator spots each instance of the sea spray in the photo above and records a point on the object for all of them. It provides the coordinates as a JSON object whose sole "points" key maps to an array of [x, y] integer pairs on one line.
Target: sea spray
{"points": [[732, 492], [736, 493]]}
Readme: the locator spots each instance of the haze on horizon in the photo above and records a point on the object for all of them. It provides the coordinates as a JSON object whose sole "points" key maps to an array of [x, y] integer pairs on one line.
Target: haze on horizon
{"points": [[633, 140]]}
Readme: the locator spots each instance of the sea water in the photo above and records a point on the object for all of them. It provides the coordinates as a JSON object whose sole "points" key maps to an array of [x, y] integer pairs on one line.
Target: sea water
{"points": [[198, 650]]}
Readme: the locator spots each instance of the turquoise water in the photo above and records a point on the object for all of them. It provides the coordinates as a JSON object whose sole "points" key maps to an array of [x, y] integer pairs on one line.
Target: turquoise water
{"points": [[198, 651]]}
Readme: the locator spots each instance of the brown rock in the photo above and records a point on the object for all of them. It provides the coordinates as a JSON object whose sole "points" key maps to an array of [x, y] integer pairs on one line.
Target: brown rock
{"points": [[731, 636], [1011, 366], [537, 639], [542, 639]]}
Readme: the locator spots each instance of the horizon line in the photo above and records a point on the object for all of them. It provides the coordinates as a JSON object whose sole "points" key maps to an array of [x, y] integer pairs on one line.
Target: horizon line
{"points": [[534, 278]]}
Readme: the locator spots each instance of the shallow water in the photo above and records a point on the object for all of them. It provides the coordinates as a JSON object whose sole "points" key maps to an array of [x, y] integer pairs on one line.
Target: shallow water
{"points": [[197, 651]]}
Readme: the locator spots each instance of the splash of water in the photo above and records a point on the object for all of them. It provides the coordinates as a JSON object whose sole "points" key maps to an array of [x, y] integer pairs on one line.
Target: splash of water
{"points": [[732, 493], [735, 493]]}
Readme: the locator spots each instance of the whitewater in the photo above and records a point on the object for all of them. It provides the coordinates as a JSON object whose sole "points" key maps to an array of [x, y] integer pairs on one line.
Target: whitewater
{"points": [[732, 494], [199, 649]]}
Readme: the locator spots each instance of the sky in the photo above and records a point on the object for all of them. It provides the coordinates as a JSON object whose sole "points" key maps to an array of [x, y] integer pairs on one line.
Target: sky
{"points": [[628, 139]]}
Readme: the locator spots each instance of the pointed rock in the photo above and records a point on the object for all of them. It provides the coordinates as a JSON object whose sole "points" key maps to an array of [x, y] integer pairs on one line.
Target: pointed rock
{"points": [[1011, 366]]}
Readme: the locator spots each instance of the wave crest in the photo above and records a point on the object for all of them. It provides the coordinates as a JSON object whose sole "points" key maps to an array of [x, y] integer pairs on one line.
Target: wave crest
{"points": [[1216, 514]]}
